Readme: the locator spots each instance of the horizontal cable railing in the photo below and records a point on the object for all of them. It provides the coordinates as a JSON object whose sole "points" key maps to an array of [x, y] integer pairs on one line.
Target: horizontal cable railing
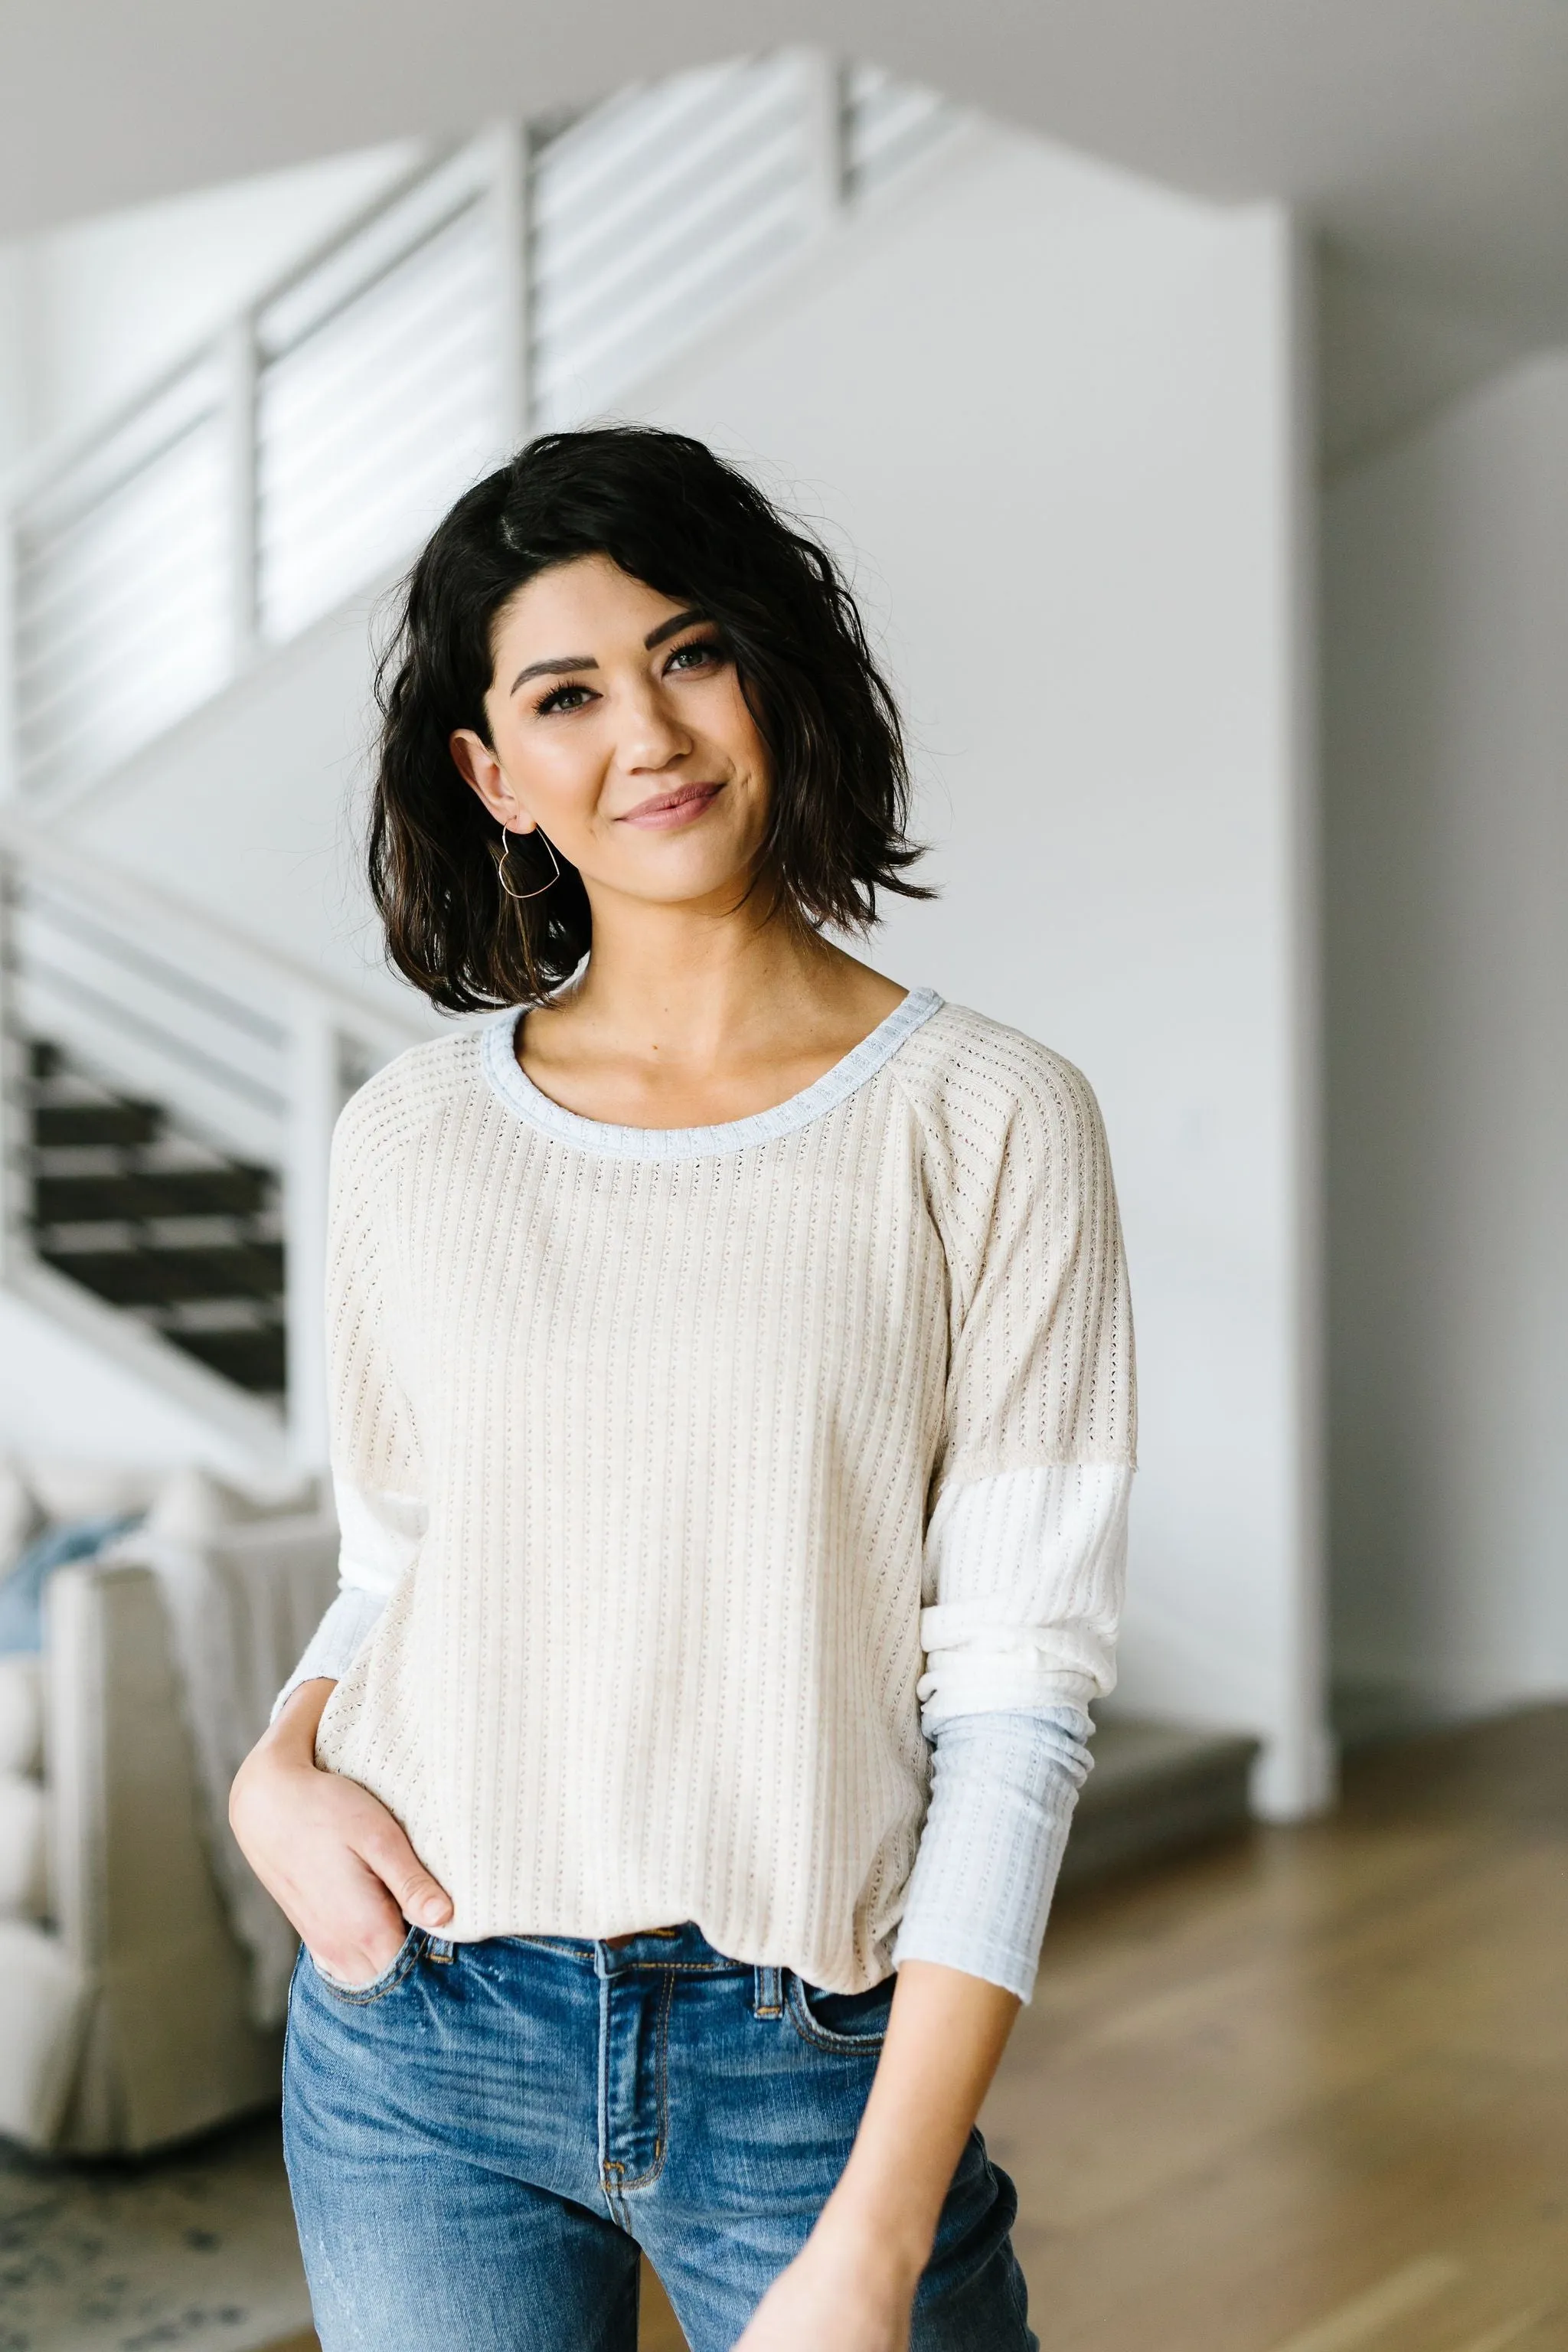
{"points": [[120, 588], [379, 393], [649, 216], [530, 279], [887, 126]]}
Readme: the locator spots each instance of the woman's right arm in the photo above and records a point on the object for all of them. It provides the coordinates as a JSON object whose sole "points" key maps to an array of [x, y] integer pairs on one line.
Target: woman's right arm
{"points": [[330, 1854]]}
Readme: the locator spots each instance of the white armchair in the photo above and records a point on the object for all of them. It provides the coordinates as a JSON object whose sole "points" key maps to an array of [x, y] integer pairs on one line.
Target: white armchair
{"points": [[126, 2001]]}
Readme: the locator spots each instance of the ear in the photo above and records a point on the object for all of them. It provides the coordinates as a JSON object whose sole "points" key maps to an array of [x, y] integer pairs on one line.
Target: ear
{"points": [[479, 767]]}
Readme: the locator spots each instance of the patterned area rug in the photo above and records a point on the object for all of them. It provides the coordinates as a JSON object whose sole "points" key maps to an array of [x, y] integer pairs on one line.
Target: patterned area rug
{"points": [[193, 2251]]}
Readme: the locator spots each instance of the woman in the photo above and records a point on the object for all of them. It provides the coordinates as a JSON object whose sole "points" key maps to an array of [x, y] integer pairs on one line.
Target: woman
{"points": [[732, 1424]]}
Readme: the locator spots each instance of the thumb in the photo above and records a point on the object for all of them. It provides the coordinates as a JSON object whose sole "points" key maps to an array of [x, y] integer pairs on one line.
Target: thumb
{"points": [[421, 1898]]}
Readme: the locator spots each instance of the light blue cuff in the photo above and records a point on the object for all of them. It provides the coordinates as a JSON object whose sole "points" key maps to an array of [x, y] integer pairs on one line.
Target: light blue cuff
{"points": [[336, 1642], [1004, 1787]]}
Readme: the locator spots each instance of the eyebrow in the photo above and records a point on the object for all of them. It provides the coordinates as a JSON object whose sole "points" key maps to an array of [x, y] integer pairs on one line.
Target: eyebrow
{"points": [[560, 663]]}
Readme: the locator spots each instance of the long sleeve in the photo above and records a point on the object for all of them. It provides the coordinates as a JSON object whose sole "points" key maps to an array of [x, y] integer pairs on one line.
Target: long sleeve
{"points": [[1025, 1541], [1028, 1569], [381, 1534], [377, 1468]]}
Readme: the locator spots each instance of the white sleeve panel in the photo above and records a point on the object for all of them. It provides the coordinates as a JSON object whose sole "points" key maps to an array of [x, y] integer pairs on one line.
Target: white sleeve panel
{"points": [[381, 1536], [1024, 1581], [335, 1643]]}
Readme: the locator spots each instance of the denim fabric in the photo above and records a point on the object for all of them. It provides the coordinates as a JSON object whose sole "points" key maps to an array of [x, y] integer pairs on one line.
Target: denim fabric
{"points": [[479, 2142]]}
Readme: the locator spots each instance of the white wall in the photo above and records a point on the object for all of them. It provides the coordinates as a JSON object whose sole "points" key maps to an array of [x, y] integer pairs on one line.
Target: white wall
{"points": [[89, 314], [1447, 653], [252, 808], [62, 1396], [15, 287], [1056, 411]]}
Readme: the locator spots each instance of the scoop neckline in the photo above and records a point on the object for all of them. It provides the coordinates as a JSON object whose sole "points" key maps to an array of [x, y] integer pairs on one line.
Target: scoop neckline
{"points": [[506, 1078]]}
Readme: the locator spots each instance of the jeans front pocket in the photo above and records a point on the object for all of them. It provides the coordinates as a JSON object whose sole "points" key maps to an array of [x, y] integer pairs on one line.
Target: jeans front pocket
{"points": [[853, 2023], [403, 1962]]}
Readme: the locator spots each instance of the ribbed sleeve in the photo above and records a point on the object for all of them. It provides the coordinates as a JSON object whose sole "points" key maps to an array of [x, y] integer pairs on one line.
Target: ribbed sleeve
{"points": [[374, 1437], [1025, 1545], [380, 1534], [378, 1476], [1040, 1366], [1026, 1571], [1004, 1787], [335, 1643]]}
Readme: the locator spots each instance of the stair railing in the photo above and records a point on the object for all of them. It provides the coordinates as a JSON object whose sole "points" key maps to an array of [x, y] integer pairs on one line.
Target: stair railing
{"points": [[528, 280], [253, 1053]]}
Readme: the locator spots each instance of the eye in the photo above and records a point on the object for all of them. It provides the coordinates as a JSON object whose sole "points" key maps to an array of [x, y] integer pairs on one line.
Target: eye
{"points": [[564, 697], [700, 652]]}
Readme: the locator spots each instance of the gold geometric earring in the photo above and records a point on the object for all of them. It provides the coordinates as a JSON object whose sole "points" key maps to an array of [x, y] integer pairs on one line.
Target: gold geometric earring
{"points": [[500, 866]]}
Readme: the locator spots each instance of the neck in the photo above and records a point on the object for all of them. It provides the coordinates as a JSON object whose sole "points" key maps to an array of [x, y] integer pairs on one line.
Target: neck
{"points": [[690, 1017], [693, 987]]}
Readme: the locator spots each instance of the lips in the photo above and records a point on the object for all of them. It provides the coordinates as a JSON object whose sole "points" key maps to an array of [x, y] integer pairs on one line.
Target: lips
{"points": [[672, 808]]}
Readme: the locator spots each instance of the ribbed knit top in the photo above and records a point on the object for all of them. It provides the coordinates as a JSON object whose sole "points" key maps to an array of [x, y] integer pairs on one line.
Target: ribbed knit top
{"points": [[672, 1430]]}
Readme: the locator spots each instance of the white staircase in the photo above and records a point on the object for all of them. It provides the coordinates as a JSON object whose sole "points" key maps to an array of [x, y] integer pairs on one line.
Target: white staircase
{"points": [[168, 1087], [167, 1096]]}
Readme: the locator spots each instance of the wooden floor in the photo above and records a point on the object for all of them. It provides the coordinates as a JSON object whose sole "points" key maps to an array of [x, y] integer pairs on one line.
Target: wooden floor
{"points": [[1309, 2092], [1312, 2092]]}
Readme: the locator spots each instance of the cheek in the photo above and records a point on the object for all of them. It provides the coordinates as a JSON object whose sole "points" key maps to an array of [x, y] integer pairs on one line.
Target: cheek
{"points": [[742, 738], [561, 765]]}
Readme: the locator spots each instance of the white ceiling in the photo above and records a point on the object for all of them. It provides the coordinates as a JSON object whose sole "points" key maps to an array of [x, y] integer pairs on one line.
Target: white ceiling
{"points": [[1428, 138]]}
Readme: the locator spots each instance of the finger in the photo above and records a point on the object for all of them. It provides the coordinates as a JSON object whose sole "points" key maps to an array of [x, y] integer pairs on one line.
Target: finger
{"points": [[420, 1897], [352, 1906]]}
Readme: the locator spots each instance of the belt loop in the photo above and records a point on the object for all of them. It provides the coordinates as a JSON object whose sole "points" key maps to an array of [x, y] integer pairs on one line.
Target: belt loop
{"points": [[768, 1995]]}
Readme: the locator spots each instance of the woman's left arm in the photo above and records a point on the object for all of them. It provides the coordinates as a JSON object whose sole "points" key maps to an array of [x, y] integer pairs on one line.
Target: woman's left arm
{"points": [[852, 2286], [1024, 1557]]}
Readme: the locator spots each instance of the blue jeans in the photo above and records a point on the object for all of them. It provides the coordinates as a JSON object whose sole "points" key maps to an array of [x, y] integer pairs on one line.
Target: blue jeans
{"points": [[479, 2142]]}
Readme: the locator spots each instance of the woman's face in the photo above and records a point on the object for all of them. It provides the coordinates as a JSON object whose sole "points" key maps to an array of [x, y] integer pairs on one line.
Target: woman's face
{"points": [[619, 727]]}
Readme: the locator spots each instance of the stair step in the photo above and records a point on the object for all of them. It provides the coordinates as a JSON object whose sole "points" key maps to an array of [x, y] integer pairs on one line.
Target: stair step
{"points": [[155, 1221], [144, 1276], [138, 1194], [256, 1360], [121, 1122], [1156, 1788]]}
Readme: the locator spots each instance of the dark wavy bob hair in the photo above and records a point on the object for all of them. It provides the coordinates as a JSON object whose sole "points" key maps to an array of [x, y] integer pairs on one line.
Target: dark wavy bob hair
{"points": [[670, 513]]}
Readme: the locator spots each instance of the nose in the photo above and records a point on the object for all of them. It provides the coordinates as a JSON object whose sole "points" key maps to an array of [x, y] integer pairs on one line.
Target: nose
{"points": [[651, 735]]}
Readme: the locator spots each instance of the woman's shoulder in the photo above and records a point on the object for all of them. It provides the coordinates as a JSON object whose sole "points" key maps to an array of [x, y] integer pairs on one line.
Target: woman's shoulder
{"points": [[1013, 1150], [975, 1082], [398, 1102]]}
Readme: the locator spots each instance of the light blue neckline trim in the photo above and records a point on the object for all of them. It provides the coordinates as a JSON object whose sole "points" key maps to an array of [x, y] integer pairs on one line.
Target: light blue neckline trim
{"points": [[506, 1078]]}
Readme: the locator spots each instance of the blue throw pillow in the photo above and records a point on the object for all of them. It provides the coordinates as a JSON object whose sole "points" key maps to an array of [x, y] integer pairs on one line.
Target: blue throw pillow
{"points": [[21, 1592]]}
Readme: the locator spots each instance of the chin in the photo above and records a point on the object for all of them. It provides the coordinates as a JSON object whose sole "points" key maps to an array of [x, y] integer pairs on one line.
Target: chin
{"points": [[687, 871]]}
